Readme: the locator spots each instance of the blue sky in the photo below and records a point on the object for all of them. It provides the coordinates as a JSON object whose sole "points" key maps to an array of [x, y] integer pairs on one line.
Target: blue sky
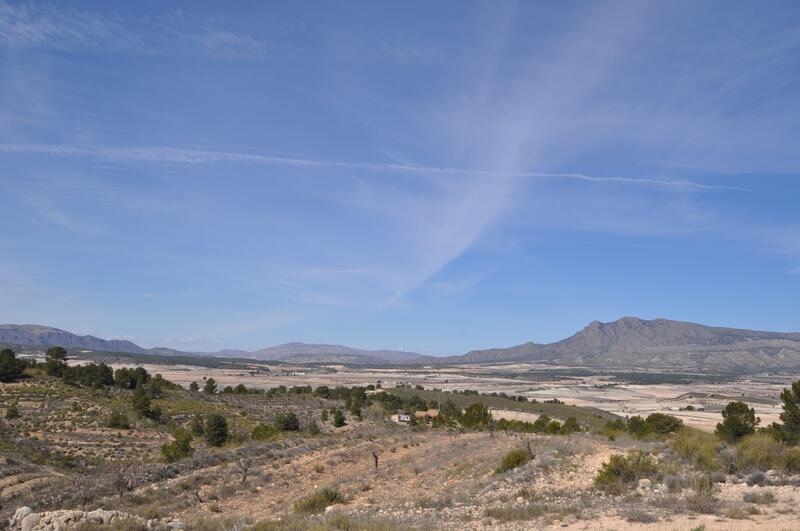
{"points": [[431, 176]]}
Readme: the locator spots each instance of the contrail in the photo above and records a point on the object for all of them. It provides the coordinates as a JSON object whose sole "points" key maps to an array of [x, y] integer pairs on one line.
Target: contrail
{"points": [[199, 156]]}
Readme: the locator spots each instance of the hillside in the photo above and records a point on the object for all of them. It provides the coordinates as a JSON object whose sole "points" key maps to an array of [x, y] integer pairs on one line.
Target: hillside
{"points": [[631, 342]]}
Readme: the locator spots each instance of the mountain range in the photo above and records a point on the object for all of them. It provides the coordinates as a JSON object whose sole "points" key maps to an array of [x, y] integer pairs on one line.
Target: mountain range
{"points": [[627, 343]]}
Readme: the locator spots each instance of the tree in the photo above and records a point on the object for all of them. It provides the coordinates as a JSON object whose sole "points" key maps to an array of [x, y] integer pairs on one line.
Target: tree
{"points": [[789, 431], [287, 422], [240, 389], [338, 419], [476, 416], [194, 387], [55, 361], [11, 368], [210, 387], [216, 430], [738, 420], [179, 448]]}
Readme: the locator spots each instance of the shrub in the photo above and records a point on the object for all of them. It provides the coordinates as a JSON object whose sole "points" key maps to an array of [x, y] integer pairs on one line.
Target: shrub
{"points": [[623, 471], [264, 432], [476, 416], [758, 451], [759, 498], [663, 424], [515, 513], [118, 420], [790, 460], [338, 419], [312, 428], [738, 420], [287, 422], [697, 446], [12, 412], [198, 425], [210, 386], [757, 478], [703, 499], [513, 459], [179, 448], [317, 502], [637, 426], [571, 426], [216, 430]]}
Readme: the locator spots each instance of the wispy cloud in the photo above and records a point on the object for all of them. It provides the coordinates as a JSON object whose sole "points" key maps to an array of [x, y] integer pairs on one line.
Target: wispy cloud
{"points": [[196, 156], [64, 28]]}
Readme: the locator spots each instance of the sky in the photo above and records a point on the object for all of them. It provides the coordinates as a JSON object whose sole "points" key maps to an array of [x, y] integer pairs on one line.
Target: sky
{"points": [[426, 176]]}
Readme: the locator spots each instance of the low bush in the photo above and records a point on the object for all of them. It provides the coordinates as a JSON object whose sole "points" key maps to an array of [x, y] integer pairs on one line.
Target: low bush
{"points": [[703, 500], [264, 432], [118, 420], [759, 498], [758, 452], [513, 459], [515, 513], [317, 502], [623, 471], [698, 447], [179, 448]]}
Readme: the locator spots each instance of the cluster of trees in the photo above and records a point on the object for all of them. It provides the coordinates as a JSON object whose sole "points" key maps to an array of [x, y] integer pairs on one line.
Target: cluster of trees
{"points": [[654, 424], [11, 367], [543, 424]]}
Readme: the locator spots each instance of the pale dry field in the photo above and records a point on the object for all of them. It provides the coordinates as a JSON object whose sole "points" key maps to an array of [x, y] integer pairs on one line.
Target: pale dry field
{"points": [[601, 392]]}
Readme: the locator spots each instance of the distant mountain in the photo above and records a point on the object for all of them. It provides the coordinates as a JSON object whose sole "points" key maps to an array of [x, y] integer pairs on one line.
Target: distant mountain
{"points": [[627, 343], [659, 343], [45, 336], [36, 336], [332, 353]]}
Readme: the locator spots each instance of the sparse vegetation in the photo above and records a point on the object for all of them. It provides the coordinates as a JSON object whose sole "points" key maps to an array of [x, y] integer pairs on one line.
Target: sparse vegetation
{"points": [[624, 471], [513, 459], [317, 502]]}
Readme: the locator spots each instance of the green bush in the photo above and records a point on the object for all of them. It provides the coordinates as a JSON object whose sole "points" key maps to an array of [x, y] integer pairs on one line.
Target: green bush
{"points": [[179, 448], [623, 471], [287, 422], [697, 446], [317, 502], [662, 424], [264, 432], [513, 459], [758, 452], [118, 420], [790, 460], [12, 412], [338, 419]]}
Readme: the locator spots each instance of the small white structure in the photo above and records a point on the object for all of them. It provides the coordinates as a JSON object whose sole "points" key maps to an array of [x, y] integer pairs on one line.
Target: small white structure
{"points": [[401, 419]]}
